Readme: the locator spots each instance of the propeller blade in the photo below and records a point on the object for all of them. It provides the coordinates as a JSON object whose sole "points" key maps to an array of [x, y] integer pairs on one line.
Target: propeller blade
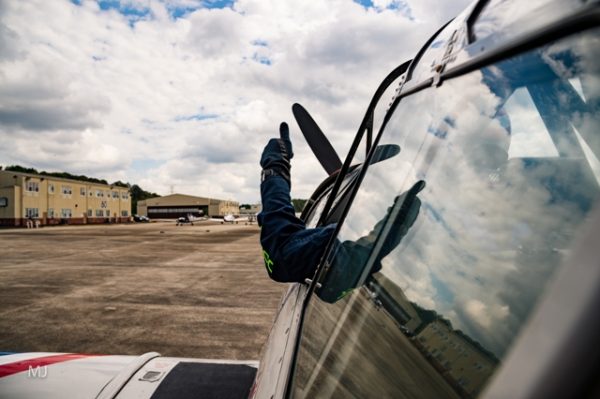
{"points": [[384, 151], [316, 140]]}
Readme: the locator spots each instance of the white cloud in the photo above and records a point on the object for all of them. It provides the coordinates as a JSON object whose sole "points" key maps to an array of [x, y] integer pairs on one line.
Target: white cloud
{"points": [[96, 91], [437, 12], [217, 33], [484, 314]]}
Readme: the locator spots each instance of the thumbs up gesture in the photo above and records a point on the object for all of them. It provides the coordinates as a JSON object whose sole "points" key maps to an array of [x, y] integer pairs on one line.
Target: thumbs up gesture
{"points": [[276, 156]]}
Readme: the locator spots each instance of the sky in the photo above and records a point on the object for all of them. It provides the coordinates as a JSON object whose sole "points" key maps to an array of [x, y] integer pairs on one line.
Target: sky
{"points": [[180, 96]]}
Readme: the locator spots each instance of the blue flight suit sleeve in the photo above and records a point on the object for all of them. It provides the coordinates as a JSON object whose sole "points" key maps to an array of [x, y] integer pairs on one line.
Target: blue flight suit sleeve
{"points": [[291, 251]]}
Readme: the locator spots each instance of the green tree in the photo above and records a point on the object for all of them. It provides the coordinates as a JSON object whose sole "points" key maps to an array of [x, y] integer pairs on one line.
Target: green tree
{"points": [[63, 175], [138, 194], [22, 169], [119, 183]]}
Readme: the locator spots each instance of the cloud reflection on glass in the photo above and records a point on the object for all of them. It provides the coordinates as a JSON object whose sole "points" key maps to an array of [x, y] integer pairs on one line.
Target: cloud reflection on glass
{"points": [[493, 227]]}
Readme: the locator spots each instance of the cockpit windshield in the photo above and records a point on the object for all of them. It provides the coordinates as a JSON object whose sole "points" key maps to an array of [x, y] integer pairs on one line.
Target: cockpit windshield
{"points": [[456, 237]]}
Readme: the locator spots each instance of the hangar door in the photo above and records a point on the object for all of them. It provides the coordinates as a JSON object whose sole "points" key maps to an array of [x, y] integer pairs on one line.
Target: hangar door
{"points": [[174, 212]]}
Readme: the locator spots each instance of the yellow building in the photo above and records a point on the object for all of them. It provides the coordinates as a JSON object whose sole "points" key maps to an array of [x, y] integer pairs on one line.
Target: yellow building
{"points": [[464, 362], [177, 205], [53, 200]]}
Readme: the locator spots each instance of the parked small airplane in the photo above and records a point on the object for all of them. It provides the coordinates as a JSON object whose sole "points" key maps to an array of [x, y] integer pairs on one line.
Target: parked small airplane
{"points": [[189, 218], [231, 218]]}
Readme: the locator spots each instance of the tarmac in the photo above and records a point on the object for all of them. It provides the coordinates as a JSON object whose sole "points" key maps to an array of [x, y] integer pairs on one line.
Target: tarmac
{"points": [[196, 291]]}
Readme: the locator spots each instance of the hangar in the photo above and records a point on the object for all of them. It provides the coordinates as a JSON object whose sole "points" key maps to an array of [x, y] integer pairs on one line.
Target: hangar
{"points": [[54, 200], [177, 205]]}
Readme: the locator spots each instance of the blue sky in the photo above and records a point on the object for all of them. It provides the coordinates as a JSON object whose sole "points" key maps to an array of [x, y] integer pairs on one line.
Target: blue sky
{"points": [[135, 12], [396, 5], [184, 94]]}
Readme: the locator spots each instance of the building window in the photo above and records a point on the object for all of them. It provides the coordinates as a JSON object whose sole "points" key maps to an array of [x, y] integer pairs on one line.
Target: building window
{"points": [[50, 212], [65, 213], [66, 190], [99, 213], [115, 194], [99, 193], [108, 213], [82, 191], [32, 212], [33, 186], [50, 188], [125, 195], [89, 213], [124, 213]]}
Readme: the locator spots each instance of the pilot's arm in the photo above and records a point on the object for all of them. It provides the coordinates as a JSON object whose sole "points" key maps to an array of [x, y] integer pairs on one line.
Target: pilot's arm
{"points": [[291, 251]]}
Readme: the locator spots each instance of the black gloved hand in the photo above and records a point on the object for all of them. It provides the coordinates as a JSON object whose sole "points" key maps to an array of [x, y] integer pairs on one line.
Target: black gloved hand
{"points": [[277, 154]]}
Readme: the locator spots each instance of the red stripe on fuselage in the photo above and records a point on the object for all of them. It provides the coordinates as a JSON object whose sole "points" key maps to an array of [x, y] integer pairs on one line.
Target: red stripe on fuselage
{"points": [[25, 365]]}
